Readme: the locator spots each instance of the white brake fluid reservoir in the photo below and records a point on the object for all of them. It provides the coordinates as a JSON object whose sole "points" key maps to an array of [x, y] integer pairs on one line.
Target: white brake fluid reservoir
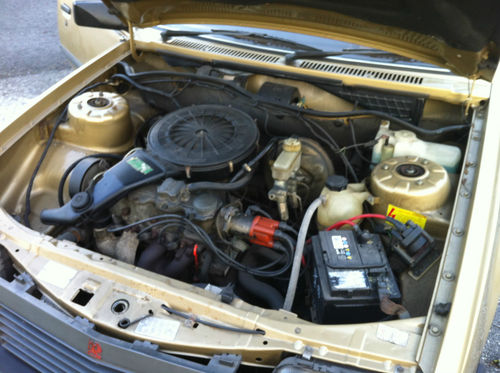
{"points": [[406, 143], [343, 201]]}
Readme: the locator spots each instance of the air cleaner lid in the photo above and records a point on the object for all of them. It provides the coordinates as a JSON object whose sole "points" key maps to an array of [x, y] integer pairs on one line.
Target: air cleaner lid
{"points": [[203, 137]]}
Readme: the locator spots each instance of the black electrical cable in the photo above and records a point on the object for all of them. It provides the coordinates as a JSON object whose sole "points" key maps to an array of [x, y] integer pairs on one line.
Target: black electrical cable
{"points": [[328, 140], [170, 225], [301, 110], [252, 209], [27, 209], [165, 224], [210, 244], [227, 187], [60, 189], [142, 221], [144, 88], [129, 70], [380, 114], [359, 145], [256, 159], [288, 228], [356, 148], [210, 323], [285, 238], [239, 180], [61, 118]]}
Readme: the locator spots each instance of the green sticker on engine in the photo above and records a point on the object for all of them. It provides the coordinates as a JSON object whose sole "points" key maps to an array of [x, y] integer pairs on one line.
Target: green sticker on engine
{"points": [[139, 165]]}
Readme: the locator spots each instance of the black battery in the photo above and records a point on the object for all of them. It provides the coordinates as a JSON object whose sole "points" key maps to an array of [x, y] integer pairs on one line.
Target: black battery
{"points": [[349, 275]]}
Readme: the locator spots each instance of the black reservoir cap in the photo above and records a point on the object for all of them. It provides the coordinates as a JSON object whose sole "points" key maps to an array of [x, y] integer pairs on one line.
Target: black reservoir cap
{"points": [[336, 183]]}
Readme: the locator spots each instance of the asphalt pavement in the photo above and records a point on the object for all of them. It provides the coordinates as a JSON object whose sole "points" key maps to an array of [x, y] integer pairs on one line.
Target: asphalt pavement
{"points": [[31, 60]]}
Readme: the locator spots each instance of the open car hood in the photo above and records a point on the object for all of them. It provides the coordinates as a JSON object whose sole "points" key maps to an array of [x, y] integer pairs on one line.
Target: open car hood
{"points": [[462, 36]]}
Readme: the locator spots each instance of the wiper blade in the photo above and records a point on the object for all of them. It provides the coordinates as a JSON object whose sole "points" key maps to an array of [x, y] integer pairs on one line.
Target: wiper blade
{"points": [[265, 39], [173, 33], [290, 57]]}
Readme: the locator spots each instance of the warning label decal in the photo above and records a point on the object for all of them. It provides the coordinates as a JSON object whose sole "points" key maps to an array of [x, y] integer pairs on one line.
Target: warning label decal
{"points": [[404, 215]]}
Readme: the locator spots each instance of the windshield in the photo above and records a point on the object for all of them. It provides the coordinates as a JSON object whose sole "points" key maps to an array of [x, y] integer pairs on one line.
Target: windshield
{"points": [[289, 42]]}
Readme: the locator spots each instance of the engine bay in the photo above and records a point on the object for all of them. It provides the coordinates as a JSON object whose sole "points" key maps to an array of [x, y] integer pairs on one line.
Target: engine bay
{"points": [[329, 201]]}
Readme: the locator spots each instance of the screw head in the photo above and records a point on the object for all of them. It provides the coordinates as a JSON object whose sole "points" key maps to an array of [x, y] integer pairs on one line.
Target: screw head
{"points": [[448, 276], [465, 194], [434, 330]]}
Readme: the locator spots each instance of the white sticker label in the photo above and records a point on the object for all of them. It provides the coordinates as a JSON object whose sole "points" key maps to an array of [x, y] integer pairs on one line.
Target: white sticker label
{"points": [[337, 242], [341, 246], [392, 335], [158, 328], [348, 279], [56, 274]]}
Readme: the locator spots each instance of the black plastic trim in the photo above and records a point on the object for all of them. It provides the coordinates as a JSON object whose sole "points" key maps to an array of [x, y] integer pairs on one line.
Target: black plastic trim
{"points": [[47, 339]]}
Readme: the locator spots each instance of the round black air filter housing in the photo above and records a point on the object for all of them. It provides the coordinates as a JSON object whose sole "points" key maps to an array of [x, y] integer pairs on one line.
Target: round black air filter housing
{"points": [[204, 139]]}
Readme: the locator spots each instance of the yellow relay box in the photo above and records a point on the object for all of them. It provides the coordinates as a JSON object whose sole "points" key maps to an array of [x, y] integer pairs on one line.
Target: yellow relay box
{"points": [[404, 215]]}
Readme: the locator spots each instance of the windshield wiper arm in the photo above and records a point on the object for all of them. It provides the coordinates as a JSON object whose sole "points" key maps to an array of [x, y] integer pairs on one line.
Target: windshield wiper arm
{"points": [[244, 35], [173, 33], [290, 57]]}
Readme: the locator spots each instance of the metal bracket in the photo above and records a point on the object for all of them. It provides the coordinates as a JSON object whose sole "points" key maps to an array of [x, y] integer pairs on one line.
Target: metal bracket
{"points": [[133, 50], [308, 352]]}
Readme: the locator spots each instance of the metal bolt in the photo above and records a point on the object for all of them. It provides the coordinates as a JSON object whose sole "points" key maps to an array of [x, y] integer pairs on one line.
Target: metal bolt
{"points": [[434, 330], [448, 276], [458, 232], [297, 330], [425, 161], [419, 182], [399, 369], [385, 167]]}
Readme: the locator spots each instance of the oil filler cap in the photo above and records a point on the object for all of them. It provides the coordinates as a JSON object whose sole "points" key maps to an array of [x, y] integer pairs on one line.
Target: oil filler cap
{"points": [[336, 183]]}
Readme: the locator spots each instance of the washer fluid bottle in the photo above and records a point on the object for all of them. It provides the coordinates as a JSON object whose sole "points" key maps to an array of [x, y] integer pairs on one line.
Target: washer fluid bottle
{"points": [[405, 143]]}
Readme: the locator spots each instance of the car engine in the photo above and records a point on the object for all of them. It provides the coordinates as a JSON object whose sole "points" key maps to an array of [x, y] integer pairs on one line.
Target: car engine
{"points": [[254, 195]]}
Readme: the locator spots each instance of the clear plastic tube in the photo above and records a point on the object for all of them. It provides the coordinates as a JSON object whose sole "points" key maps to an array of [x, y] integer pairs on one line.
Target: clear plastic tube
{"points": [[301, 240]]}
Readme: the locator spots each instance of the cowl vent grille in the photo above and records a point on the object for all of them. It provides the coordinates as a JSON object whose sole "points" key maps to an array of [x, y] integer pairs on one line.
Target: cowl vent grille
{"points": [[361, 72], [422, 77], [223, 50], [269, 57]]}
